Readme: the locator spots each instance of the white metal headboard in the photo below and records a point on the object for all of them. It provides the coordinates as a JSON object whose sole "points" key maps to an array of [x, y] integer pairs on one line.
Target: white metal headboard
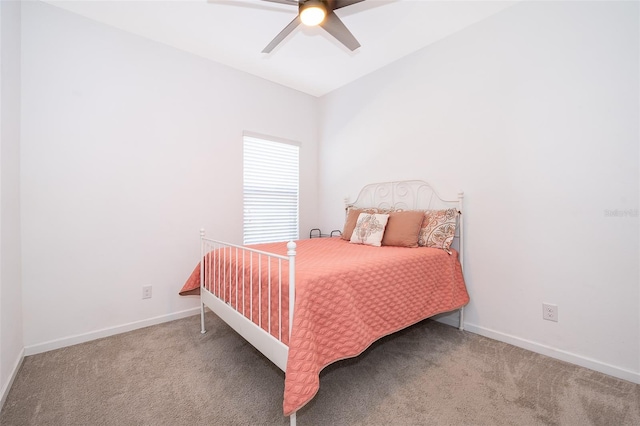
{"points": [[407, 195], [410, 195]]}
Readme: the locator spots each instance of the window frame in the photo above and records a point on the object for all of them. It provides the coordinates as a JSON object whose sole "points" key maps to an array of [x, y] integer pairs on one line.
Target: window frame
{"points": [[283, 229]]}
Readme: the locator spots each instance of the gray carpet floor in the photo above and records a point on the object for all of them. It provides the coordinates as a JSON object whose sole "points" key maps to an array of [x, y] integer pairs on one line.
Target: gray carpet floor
{"points": [[428, 374]]}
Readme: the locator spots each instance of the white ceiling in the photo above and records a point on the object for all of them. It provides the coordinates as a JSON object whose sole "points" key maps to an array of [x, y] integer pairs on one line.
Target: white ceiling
{"points": [[234, 32]]}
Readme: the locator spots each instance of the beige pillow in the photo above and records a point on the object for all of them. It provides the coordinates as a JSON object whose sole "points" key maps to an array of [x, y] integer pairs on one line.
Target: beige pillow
{"points": [[438, 229], [350, 222], [403, 228], [369, 229]]}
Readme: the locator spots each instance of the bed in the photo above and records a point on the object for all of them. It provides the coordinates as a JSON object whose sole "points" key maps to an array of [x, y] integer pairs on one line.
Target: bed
{"points": [[341, 293]]}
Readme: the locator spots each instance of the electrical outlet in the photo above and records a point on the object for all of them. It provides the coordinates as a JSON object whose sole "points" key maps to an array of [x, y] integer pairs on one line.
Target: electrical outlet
{"points": [[146, 292], [550, 312]]}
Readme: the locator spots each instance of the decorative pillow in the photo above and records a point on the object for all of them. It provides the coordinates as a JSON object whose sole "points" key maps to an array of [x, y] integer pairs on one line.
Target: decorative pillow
{"points": [[369, 229], [350, 222], [403, 228], [352, 218], [438, 229]]}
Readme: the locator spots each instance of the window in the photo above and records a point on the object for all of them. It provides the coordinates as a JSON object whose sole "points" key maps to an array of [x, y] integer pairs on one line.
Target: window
{"points": [[270, 190]]}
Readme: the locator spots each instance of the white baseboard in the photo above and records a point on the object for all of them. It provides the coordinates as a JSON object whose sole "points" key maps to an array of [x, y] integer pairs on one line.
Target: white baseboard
{"points": [[6, 387], [106, 332], [549, 351]]}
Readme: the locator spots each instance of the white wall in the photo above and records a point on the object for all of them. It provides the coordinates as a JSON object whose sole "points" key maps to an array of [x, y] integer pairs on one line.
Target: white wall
{"points": [[534, 114], [129, 147], [11, 337]]}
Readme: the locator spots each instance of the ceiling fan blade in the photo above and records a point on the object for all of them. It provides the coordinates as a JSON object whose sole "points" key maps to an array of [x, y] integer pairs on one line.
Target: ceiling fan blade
{"points": [[337, 4], [289, 2], [281, 36], [334, 26]]}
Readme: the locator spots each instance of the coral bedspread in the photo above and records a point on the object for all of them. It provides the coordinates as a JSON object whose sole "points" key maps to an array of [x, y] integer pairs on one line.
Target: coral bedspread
{"points": [[348, 296]]}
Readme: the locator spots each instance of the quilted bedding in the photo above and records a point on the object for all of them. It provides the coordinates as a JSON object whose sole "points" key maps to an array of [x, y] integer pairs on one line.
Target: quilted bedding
{"points": [[348, 296]]}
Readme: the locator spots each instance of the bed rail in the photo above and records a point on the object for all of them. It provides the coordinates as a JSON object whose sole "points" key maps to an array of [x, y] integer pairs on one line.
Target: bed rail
{"points": [[233, 280]]}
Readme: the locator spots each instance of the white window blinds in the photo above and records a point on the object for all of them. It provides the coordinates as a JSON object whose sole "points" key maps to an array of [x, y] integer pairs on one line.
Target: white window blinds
{"points": [[270, 191]]}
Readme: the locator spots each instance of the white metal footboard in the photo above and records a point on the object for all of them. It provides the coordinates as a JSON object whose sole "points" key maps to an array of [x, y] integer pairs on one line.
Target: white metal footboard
{"points": [[227, 279]]}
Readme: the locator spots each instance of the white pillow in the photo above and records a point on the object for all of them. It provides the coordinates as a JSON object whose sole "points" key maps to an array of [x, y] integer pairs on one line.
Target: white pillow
{"points": [[369, 229]]}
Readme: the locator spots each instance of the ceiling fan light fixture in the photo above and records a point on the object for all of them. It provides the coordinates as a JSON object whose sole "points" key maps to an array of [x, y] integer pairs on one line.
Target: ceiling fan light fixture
{"points": [[312, 12]]}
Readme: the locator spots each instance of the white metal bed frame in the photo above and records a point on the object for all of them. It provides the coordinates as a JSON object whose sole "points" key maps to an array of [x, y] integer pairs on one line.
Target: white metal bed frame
{"points": [[405, 195]]}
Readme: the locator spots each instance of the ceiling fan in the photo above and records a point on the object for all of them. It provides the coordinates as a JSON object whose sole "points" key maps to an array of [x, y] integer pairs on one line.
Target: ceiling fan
{"points": [[317, 12]]}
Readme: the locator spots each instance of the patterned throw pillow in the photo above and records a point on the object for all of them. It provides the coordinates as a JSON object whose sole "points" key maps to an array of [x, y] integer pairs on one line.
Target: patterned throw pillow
{"points": [[438, 229], [369, 229], [352, 217]]}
